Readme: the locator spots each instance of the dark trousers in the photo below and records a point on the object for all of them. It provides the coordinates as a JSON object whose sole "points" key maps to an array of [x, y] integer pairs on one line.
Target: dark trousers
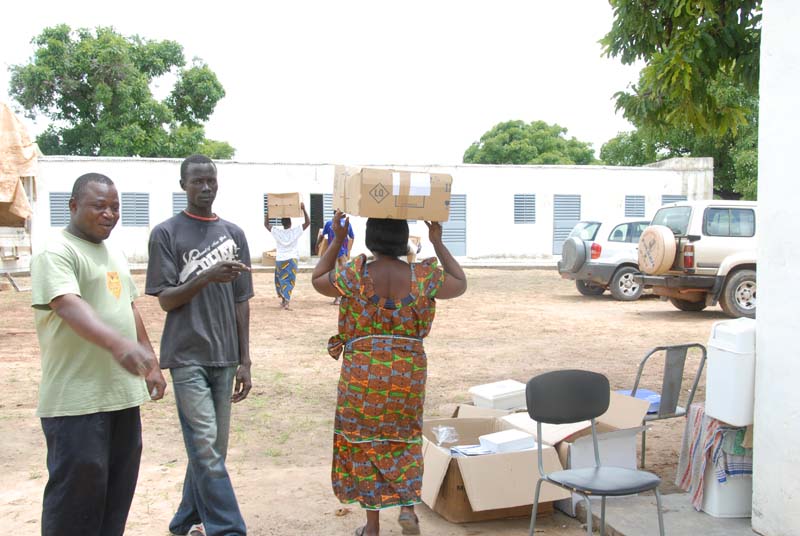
{"points": [[93, 464]]}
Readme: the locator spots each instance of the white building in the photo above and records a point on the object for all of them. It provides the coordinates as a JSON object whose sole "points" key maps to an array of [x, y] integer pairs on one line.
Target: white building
{"points": [[496, 211], [776, 457]]}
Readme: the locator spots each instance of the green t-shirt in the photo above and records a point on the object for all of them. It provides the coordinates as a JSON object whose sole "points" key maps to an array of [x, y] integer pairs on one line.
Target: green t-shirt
{"points": [[79, 377]]}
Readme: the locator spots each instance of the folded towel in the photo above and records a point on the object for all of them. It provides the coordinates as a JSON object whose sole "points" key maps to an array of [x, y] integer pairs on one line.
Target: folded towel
{"points": [[733, 443], [703, 444]]}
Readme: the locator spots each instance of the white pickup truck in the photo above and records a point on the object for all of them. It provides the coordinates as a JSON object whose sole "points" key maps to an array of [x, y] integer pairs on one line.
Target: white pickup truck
{"points": [[700, 253]]}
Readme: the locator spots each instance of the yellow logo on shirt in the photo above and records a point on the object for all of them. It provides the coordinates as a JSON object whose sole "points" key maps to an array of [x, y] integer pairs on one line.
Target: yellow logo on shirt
{"points": [[114, 284]]}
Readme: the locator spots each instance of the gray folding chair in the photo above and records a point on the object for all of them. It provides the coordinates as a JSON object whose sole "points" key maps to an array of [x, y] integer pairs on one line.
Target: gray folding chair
{"points": [[568, 396], [674, 366]]}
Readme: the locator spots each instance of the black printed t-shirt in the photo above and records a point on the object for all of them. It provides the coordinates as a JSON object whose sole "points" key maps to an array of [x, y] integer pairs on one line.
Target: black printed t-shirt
{"points": [[203, 331]]}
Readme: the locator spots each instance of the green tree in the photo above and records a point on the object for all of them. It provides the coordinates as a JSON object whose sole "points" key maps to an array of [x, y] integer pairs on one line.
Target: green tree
{"points": [[95, 88], [517, 142], [698, 92], [684, 44], [628, 149]]}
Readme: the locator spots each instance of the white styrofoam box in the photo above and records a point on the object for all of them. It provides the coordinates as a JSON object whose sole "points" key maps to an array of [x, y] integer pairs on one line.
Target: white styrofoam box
{"points": [[732, 498], [511, 440], [617, 449], [730, 378], [505, 394]]}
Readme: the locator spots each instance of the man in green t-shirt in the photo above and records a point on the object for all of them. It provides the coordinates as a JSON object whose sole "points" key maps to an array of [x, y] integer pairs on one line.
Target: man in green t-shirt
{"points": [[98, 367]]}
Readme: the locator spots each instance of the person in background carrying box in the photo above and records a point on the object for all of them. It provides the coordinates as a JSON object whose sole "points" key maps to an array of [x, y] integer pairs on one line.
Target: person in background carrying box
{"points": [[344, 250], [387, 309], [414, 247], [287, 254]]}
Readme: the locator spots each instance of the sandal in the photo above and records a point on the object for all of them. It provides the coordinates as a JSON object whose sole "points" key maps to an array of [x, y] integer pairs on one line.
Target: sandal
{"points": [[197, 530], [409, 522], [360, 531]]}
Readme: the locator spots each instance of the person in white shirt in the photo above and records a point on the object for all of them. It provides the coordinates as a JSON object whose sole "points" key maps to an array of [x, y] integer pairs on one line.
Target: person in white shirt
{"points": [[286, 254]]}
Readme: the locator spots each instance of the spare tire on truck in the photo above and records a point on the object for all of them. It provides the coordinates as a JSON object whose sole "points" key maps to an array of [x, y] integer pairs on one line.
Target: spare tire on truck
{"points": [[657, 249], [573, 254]]}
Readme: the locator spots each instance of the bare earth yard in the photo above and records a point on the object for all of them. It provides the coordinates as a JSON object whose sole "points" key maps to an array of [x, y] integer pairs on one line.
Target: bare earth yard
{"points": [[510, 324]]}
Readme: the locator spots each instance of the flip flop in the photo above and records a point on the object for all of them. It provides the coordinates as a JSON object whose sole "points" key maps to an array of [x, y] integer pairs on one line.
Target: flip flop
{"points": [[409, 523], [360, 531]]}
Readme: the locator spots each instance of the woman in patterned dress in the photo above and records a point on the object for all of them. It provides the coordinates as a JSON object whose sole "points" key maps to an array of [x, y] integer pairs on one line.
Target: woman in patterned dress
{"points": [[387, 308]]}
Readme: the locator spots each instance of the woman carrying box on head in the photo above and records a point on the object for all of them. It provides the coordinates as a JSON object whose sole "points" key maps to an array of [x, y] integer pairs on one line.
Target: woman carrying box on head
{"points": [[387, 308], [286, 254]]}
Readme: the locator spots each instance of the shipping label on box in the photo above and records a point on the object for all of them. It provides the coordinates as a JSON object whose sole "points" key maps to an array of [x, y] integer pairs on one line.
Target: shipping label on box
{"points": [[286, 205], [393, 194]]}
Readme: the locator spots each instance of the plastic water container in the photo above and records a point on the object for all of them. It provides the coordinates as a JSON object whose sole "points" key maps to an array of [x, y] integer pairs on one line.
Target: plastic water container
{"points": [[730, 378], [506, 394]]}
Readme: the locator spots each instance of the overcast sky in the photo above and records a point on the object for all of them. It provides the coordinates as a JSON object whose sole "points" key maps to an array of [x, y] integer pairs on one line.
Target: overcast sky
{"points": [[411, 82]]}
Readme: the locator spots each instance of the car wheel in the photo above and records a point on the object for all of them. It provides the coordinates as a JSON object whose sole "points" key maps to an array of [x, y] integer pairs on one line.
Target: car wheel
{"points": [[738, 298], [589, 289], [686, 305], [573, 254], [623, 286]]}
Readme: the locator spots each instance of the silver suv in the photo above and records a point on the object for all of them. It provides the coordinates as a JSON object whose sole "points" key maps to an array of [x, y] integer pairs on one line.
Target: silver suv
{"points": [[600, 256], [700, 253]]}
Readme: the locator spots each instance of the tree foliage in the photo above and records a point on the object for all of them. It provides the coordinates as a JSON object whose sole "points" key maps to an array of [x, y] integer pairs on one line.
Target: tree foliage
{"points": [[95, 88], [684, 44], [735, 156], [517, 142], [698, 92]]}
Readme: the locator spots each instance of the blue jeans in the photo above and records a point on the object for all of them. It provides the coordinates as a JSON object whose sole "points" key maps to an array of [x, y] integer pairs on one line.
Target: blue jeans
{"points": [[203, 397]]}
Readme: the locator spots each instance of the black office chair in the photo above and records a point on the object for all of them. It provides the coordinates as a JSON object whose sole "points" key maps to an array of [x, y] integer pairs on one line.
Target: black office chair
{"points": [[568, 396]]}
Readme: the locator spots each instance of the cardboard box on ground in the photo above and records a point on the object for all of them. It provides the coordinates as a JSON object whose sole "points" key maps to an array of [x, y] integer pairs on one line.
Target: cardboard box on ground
{"points": [[268, 258], [482, 488], [393, 194], [284, 205]]}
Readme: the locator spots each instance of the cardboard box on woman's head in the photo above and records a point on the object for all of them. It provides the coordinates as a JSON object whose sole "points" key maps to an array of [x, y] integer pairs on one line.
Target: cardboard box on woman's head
{"points": [[391, 193]]}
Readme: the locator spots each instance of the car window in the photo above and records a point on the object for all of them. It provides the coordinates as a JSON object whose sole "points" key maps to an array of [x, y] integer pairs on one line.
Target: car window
{"points": [[729, 222], [636, 230], [585, 230], [676, 218], [619, 234]]}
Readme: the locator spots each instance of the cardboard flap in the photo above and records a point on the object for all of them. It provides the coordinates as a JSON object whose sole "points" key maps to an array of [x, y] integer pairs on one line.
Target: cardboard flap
{"points": [[468, 411], [508, 480], [624, 412], [551, 433], [437, 460]]}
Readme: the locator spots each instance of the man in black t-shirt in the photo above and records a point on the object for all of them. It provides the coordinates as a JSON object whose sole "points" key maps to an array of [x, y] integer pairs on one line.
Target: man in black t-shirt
{"points": [[199, 268]]}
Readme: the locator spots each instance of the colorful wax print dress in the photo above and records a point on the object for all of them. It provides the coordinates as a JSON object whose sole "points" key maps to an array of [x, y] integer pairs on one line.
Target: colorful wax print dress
{"points": [[377, 442]]}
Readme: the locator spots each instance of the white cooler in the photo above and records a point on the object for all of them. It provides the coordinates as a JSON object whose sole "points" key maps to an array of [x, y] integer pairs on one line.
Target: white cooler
{"points": [[730, 377], [506, 394]]}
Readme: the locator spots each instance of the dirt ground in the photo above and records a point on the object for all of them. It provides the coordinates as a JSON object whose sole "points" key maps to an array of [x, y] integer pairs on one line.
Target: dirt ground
{"points": [[510, 324]]}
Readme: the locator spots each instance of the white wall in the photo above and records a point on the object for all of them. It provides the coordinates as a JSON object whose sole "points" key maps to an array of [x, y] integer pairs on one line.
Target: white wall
{"points": [[490, 190], [776, 484]]}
